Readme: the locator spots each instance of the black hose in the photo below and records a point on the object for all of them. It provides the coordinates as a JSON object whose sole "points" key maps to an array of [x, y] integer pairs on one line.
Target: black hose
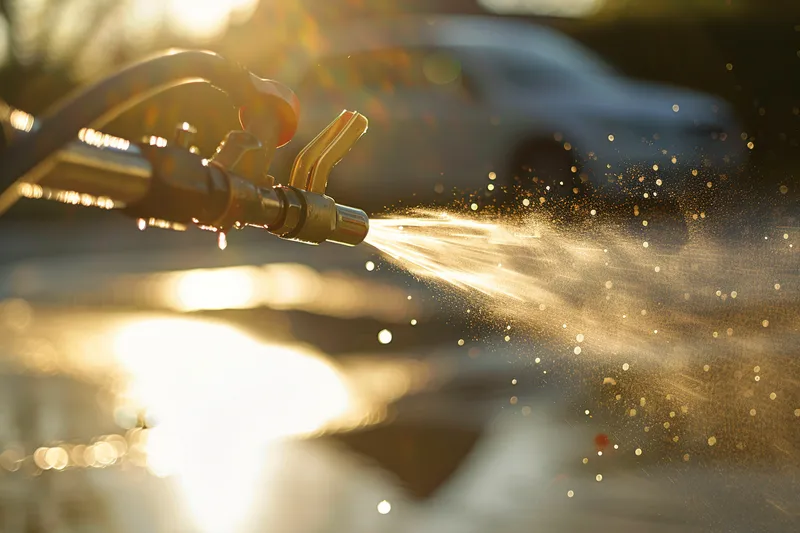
{"points": [[95, 105]]}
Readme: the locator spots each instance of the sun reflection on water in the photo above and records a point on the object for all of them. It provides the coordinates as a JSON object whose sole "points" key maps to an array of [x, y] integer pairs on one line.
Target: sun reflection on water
{"points": [[219, 398]]}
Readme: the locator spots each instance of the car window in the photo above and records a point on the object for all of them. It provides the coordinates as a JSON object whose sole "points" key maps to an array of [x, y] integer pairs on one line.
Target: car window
{"points": [[387, 71], [529, 72]]}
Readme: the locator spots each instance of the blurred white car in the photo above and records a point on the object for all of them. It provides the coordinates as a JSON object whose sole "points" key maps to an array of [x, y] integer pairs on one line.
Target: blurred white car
{"points": [[451, 100]]}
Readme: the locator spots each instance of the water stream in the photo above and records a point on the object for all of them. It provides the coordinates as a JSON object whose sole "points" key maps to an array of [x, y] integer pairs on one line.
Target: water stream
{"points": [[697, 340]]}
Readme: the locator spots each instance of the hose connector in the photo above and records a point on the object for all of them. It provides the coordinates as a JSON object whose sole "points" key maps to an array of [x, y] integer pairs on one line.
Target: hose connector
{"points": [[300, 211], [324, 218]]}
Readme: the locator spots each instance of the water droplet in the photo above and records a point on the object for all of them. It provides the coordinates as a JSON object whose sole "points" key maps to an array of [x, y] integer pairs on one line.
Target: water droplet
{"points": [[370, 266], [570, 494], [579, 337], [599, 477], [461, 342], [772, 395], [474, 206], [611, 138], [384, 336], [712, 440], [222, 240], [141, 224], [577, 350], [384, 507], [492, 175], [765, 323], [638, 451], [413, 321], [625, 366]]}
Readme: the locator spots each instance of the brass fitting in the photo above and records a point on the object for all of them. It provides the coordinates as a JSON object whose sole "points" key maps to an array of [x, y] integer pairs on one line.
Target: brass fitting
{"points": [[301, 211], [323, 218]]}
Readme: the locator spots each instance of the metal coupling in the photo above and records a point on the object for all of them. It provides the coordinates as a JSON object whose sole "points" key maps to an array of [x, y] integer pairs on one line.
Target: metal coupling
{"points": [[323, 219], [293, 214], [301, 211]]}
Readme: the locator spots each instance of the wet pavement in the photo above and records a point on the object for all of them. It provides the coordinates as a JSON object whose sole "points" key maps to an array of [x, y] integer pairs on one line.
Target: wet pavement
{"points": [[446, 437]]}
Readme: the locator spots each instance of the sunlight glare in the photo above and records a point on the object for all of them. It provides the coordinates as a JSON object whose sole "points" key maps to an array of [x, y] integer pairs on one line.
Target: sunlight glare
{"points": [[207, 18], [219, 399], [228, 288]]}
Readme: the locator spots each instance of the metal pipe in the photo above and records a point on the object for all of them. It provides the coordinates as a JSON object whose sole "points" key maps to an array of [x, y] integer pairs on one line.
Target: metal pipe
{"points": [[96, 163], [95, 105]]}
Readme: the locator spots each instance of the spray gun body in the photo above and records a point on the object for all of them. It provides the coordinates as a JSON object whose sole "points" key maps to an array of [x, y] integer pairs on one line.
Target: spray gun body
{"points": [[168, 182]]}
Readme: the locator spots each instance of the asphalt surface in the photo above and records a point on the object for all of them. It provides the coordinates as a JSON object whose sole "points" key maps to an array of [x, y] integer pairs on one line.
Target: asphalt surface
{"points": [[466, 451]]}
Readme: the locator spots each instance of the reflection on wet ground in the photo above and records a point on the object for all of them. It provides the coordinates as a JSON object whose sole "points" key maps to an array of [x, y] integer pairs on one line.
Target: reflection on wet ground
{"points": [[252, 428], [221, 404]]}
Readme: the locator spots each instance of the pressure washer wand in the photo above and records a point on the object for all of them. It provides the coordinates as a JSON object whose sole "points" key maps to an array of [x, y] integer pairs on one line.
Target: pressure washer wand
{"points": [[167, 183]]}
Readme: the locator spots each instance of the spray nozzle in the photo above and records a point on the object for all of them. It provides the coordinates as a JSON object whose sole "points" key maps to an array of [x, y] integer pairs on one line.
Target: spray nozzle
{"points": [[298, 211], [169, 181]]}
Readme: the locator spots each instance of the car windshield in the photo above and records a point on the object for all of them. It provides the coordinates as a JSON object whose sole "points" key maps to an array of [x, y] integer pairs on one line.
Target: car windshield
{"points": [[408, 266]]}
